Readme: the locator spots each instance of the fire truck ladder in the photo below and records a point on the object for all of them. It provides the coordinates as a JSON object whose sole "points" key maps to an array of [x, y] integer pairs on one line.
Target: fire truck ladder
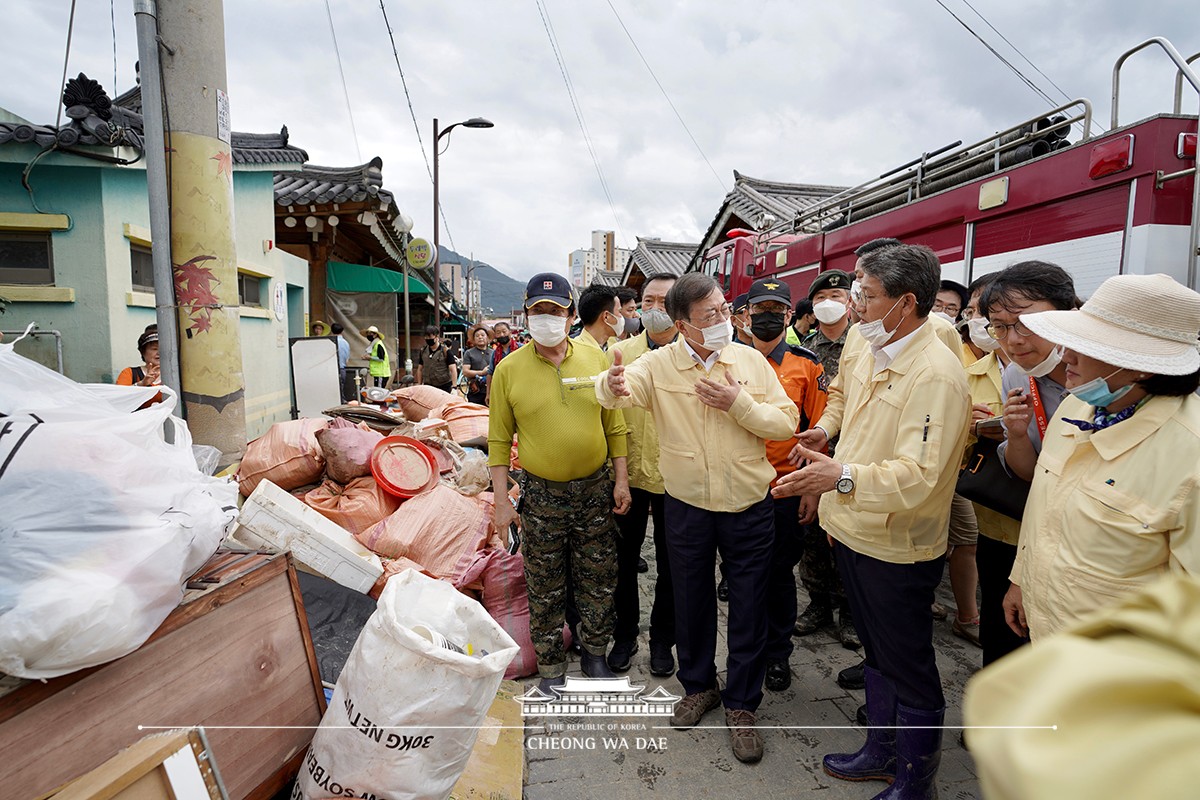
{"points": [[941, 169], [1184, 71]]}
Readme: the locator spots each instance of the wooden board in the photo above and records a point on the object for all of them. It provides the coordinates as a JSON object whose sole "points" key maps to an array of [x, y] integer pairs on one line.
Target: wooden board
{"points": [[240, 655], [144, 771], [497, 765]]}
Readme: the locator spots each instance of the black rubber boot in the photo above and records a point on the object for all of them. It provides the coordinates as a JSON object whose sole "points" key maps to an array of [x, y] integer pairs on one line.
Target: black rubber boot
{"points": [[876, 760], [595, 666], [918, 754]]}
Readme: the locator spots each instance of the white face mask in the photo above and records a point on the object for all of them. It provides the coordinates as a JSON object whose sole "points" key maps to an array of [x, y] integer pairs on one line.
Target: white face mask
{"points": [[829, 311], [547, 329], [944, 316], [977, 328], [874, 332], [716, 337], [618, 326], [1046, 367]]}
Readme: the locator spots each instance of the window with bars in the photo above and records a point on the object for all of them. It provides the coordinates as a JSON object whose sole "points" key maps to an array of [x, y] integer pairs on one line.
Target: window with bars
{"points": [[249, 290], [26, 258], [141, 267]]}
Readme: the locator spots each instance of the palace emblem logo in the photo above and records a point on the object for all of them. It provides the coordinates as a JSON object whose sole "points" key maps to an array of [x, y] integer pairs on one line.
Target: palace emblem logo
{"points": [[602, 697]]}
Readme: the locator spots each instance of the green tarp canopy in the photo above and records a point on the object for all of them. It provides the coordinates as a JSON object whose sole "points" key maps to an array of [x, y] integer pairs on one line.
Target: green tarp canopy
{"points": [[350, 278]]}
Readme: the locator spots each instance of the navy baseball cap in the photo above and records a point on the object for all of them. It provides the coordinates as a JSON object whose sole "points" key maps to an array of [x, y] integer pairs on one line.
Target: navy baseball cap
{"points": [[831, 279], [765, 289], [550, 287], [740, 302]]}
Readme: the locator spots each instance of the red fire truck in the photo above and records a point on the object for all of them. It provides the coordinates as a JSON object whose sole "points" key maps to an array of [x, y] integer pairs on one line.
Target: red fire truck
{"points": [[1125, 201]]}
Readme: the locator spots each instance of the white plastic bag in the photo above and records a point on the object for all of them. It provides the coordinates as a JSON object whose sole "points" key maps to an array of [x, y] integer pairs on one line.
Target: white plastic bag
{"points": [[102, 519], [405, 713]]}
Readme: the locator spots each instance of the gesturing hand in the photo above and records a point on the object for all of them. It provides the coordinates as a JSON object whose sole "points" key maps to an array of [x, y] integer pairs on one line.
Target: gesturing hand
{"points": [[1016, 414], [616, 377], [718, 395], [811, 439], [820, 476]]}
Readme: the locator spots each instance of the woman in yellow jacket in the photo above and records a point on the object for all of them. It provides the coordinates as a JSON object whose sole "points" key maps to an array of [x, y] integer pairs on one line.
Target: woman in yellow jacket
{"points": [[1115, 500]]}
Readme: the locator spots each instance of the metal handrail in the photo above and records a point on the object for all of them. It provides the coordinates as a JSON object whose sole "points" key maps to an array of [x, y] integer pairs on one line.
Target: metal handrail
{"points": [[894, 182], [1179, 85], [1184, 71]]}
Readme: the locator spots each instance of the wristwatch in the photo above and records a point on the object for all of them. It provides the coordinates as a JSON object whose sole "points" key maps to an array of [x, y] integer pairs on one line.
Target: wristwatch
{"points": [[845, 484]]}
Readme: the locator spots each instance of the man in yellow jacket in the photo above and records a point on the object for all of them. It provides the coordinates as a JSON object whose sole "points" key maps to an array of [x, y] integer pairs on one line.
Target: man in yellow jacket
{"points": [[713, 405], [886, 502]]}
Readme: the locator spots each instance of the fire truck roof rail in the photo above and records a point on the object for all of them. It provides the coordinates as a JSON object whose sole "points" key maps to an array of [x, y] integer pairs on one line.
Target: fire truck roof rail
{"points": [[942, 168], [1179, 84]]}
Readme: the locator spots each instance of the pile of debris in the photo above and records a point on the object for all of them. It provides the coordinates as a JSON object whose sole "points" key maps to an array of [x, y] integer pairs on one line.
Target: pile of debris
{"points": [[418, 498]]}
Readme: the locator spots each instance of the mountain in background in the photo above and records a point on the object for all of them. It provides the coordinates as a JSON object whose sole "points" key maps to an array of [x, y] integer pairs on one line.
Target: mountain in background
{"points": [[497, 291]]}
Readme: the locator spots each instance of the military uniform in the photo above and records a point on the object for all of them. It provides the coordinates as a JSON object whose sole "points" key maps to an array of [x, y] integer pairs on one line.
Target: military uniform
{"points": [[818, 573]]}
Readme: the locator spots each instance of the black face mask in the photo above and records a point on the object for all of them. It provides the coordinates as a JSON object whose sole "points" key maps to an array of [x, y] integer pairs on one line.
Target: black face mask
{"points": [[501, 340], [766, 325], [429, 343]]}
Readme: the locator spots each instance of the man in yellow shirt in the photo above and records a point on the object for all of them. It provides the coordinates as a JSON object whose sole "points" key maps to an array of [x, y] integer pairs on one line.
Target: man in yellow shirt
{"points": [[647, 492], [600, 313], [544, 393], [713, 404], [886, 502]]}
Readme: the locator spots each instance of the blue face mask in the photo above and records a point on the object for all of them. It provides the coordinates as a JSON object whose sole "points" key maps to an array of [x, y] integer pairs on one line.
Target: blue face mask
{"points": [[1096, 392]]}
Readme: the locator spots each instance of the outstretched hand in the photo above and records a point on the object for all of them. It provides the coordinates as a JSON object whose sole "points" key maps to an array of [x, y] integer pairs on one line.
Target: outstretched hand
{"points": [[616, 377]]}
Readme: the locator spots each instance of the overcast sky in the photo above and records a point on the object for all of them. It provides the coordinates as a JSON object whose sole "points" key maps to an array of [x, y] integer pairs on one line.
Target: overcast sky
{"points": [[789, 90]]}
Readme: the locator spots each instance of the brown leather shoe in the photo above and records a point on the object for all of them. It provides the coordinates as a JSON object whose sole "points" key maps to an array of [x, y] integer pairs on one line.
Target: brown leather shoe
{"points": [[691, 708], [745, 738]]}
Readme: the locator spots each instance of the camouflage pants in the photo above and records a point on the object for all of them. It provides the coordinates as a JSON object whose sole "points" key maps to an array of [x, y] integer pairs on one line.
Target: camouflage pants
{"points": [[569, 527], [818, 573]]}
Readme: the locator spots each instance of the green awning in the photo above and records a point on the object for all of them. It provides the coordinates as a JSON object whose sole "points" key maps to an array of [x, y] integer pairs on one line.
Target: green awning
{"points": [[343, 277]]}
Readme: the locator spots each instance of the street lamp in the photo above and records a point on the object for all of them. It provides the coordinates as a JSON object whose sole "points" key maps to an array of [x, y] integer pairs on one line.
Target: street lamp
{"points": [[473, 122]]}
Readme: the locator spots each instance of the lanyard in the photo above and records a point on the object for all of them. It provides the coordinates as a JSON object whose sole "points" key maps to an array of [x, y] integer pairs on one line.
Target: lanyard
{"points": [[1038, 409]]}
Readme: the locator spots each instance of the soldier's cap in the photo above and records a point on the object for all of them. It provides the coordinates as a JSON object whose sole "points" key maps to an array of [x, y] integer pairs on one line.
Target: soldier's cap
{"points": [[831, 279], [766, 289], [740, 302], [550, 287]]}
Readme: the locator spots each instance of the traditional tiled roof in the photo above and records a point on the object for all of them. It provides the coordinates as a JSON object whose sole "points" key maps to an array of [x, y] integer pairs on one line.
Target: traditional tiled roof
{"points": [[94, 120], [655, 257], [606, 277], [758, 204], [314, 185]]}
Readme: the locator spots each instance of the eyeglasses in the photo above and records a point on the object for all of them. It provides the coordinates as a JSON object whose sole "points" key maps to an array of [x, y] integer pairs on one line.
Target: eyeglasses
{"points": [[949, 308], [1000, 332], [713, 317]]}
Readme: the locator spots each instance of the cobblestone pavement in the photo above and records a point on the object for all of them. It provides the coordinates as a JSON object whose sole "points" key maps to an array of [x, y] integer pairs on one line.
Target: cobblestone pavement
{"points": [[700, 764]]}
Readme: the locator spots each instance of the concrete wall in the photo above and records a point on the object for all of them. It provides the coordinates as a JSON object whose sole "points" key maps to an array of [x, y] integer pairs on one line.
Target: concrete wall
{"points": [[107, 206]]}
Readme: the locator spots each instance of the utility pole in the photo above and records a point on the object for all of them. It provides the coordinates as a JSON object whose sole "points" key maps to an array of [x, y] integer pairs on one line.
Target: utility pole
{"points": [[202, 235]]}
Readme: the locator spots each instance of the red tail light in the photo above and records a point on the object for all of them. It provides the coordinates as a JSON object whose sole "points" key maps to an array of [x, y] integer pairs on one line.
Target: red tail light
{"points": [[1185, 147], [1111, 157]]}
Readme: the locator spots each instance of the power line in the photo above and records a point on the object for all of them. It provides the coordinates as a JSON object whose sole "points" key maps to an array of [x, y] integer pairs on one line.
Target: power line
{"points": [[66, 58], [1028, 61], [112, 15], [345, 90], [994, 52], [413, 114], [544, 13], [678, 116]]}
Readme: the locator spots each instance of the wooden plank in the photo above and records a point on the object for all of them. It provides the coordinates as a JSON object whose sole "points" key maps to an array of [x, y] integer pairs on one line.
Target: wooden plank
{"points": [[126, 768], [244, 663], [31, 693]]}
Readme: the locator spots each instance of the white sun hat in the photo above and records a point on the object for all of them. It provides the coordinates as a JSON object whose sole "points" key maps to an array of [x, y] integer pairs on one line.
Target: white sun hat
{"points": [[1148, 323]]}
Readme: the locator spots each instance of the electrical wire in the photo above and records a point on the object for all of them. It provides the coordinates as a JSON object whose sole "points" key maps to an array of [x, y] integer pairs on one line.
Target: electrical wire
{"points": [[345, 90], [544, 13], [66, 59], [112, 16], [1066, 96], [57, 117], [658, 83], [413, 114]]}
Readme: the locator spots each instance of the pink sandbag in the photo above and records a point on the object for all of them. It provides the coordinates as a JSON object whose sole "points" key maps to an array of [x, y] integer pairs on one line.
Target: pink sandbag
{"points": [[356, 506], [347, 451], [506, 598], [287, 455], [418, 401], [439, 529], [468, 422]]}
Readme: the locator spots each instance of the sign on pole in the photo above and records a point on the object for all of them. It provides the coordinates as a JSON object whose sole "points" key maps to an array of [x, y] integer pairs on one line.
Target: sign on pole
{"points": [[420, 253]]}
